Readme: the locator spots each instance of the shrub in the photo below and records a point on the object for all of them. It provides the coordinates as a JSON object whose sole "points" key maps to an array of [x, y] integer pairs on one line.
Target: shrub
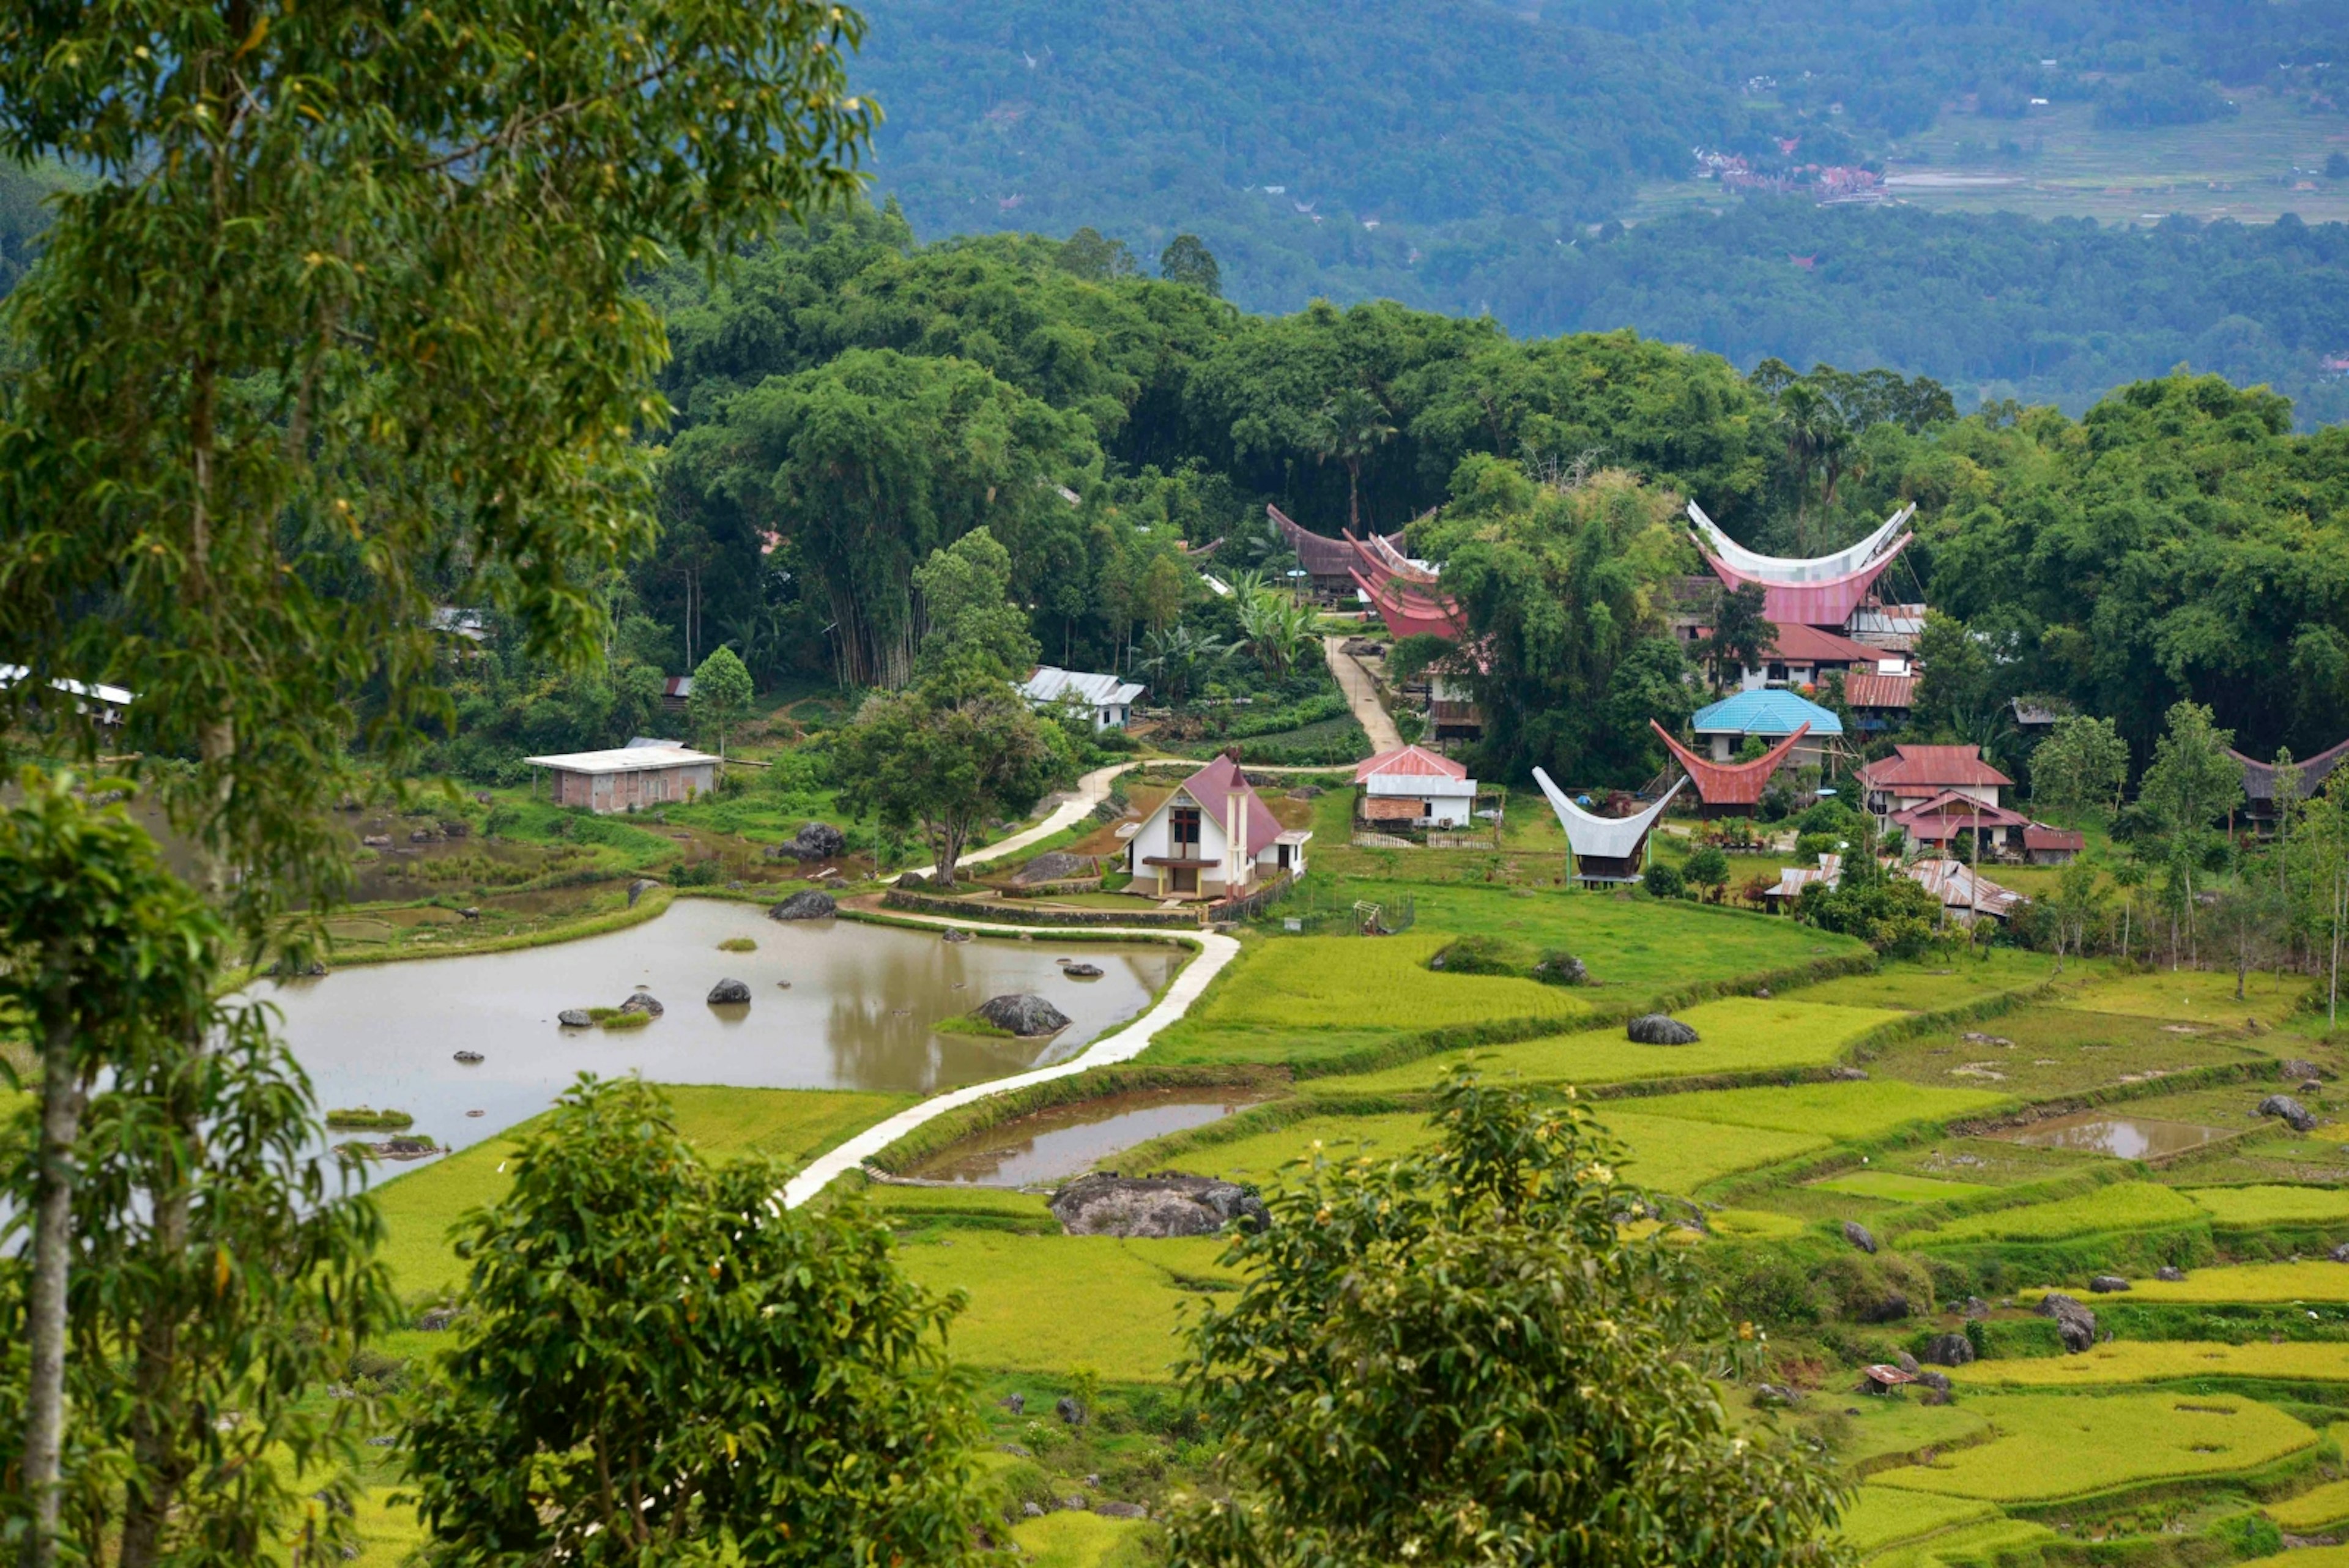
{"points": [[1775, 1291], [1663, 882], [1708, 867], [698, 873], [1478, 955]]}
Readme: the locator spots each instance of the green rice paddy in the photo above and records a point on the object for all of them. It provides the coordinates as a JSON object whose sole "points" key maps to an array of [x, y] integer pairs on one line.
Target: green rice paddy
{"points": [[1308, 981], [1882, 1516], [2312, 1509], [2194, 996], [2248, 1207], [1899, 1187], [2255, 1284], [2162, 1361], [2123, 1206], [1843, 1111], [791, 1126], [2051, 1449], [1736, 1034]]}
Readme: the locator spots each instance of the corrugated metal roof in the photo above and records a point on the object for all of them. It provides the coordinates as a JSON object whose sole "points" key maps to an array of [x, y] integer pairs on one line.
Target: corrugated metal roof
{"points": [[1895, 691], [622, 759], [1411, 760], [1932, 767], [1764, 712], [2037, 837], [1955, 884], [1050, 682], [1811, 645]]}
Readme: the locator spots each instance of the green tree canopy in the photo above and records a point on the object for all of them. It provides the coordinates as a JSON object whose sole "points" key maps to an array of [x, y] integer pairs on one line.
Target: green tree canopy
{"points": [[944, 756], [2081, 765], [973, 624], [721, 696], [659, 1363], [1454, 1355]]}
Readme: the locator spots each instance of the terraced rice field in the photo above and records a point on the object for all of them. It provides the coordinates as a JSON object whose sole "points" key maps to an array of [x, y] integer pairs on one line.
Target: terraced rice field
{"points": [[1664, 1154], [2162, 1361], [2193, 996], [1931, 985], [1297, 983], [1993, 1540], [2248, 1207], [1882, 1516], [2123, 1206], [1899, 1187], [1844, 1112], [1737, 1034], [2313, 1510], [1045, 1304], [2252, 1284], [2051, 1449]]}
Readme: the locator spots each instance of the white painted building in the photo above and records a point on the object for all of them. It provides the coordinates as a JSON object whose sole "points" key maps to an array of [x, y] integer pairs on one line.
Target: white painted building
{"points": [[1416, 788], [1214, 837], [1111, 699]]}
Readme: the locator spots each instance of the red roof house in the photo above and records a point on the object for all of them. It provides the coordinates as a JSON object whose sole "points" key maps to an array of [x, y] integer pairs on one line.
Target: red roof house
{"points": [[1914, 774], [1729, 788]]}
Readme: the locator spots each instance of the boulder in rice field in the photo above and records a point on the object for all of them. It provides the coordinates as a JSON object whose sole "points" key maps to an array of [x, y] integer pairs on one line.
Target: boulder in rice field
{"points": [[1023, 1014], [1153, 1206], [808, 904], [1660, 1029]]}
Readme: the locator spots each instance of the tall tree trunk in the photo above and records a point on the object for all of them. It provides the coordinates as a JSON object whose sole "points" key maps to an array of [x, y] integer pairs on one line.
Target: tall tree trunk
{"points": [[63, 1094]]}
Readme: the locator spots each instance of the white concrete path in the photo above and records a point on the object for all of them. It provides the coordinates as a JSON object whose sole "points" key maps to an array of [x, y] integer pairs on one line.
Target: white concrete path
{"points": [[1214, 951], [1090, 791], [1362, 695]]}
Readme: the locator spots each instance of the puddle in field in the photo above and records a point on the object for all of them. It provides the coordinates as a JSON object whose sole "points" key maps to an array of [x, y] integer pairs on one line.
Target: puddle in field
{"points": [[1062, 1141], [2124, 1138]]}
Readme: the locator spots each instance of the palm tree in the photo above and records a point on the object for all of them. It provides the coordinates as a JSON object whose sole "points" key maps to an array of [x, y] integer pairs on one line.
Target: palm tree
{"points": [[1350, 428]]}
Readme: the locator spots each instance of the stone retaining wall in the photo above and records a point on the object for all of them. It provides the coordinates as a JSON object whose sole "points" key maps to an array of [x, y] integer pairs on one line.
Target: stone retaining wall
{"points": [[1002, 913]]}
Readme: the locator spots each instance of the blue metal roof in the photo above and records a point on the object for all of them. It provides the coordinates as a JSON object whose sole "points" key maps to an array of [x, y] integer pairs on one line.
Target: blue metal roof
{"points": [[1768, 712]]}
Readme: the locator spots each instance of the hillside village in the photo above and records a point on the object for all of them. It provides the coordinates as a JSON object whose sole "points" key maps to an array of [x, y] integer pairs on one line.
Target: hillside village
{"points": [[686, 880]]}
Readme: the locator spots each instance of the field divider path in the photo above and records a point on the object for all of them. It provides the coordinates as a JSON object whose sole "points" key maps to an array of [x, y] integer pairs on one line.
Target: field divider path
{"points": [[1090, 791], [1124, 1045]]}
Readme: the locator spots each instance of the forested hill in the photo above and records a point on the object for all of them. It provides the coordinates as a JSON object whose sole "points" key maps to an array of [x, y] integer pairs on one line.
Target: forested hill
{"points": [[1455, 155]]}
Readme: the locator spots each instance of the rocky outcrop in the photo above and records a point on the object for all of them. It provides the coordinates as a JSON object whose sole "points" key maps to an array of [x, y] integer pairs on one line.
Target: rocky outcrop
{"points": [[1155, 1207], [2169, 1273], [1949, 1350], [1858, 1235], [817, 841], [2295, 1071], [1561, 969], [644, 1002], [730, 993], [576, 1018], [809, 905], [2107, 1285], [2074, 1322], [1660, 1029], [2294, 1114], [1055, 866], [1079, 971], [956, 934], [913, 879], [471, 1058], [1975, 1308], [639, 888], [1848, 1075], [1023, 1014]]}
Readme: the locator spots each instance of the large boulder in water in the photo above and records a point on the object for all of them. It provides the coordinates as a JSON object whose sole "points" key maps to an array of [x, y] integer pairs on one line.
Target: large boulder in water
{"points": [[1153, 1206], [809, 905], [1022, 1012], [729, 992], [1054, 866], [576, 1018], [643, 1001], [1660, 1029], [817, 841]]}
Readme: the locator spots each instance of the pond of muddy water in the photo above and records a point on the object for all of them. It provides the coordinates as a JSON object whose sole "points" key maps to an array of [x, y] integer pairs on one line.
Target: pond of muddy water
{"points": [[835, 1004], [2124, 1138], [1062, 1141]]}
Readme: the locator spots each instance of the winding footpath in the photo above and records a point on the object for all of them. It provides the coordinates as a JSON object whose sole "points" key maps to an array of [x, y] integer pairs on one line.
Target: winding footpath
{"points": [[1362, 695], [1214, 951], [1090, 791]]}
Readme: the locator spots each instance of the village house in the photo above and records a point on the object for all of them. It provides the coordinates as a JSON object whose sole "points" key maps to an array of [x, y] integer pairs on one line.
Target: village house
{"points": [[1109, 698], [1413, 787], [1801, 656], [106, 705], [1964, 892], [633, 777], [1879, 702], [1770, 715], [1914, 775], [1214, 837], [2260, 782]]}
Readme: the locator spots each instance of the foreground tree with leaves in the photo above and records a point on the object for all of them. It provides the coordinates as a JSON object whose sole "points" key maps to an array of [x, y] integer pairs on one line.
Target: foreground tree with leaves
{"points": [[657, 1363], [1454, 1356], [193, 1270]]}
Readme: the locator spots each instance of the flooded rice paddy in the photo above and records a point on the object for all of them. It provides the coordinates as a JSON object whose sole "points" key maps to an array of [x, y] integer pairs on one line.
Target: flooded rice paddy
{"points": [[835, 1004], [2124, 1138], [1062, 1141]]}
